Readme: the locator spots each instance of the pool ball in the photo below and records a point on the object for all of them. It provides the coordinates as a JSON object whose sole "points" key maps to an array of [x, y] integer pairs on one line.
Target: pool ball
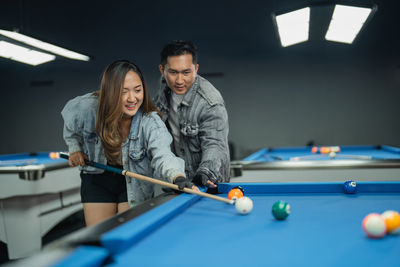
{"points": [[374, 225], [280, 210], [350, 187], [314, 149], [235, 194], [332, 154], [53, 155], [324, 150], [335, 149], [244, 205], [392, 220], [238, 187]]}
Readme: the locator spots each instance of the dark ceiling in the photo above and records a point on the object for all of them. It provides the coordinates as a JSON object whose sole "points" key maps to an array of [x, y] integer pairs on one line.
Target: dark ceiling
{"points": [[231, 29]]}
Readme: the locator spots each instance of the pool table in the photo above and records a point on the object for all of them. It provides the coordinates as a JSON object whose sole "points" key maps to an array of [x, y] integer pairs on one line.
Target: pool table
{"points": [[323, 229], [36, 193], [299, 164]]}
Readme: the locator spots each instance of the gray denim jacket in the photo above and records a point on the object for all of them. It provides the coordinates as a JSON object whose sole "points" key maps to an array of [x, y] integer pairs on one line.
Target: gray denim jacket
{"points": [[146, 151], [204, 129]]}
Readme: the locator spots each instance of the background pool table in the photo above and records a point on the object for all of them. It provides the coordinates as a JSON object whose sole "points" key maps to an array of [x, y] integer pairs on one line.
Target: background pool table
{"points": [[36, 193], [323, 229], [299, 164]]}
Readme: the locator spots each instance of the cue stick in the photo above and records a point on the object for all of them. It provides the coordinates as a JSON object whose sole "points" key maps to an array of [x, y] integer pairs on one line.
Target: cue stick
{"points": [[148, 179]]}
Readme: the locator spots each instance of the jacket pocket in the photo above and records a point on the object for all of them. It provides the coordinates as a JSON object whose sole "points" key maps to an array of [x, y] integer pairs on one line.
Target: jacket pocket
{"points": [[137, 154], [190, 133], [91, 149], [190, 129], [139, 161]]}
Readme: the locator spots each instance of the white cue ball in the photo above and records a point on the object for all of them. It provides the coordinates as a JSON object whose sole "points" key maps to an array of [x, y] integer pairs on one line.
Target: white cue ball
{"points": [[244, 205], [374, 225], [332, 154]]}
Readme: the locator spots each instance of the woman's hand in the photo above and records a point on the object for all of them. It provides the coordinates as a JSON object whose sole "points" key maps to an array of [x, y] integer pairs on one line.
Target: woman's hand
{"points": [[77, 158]]}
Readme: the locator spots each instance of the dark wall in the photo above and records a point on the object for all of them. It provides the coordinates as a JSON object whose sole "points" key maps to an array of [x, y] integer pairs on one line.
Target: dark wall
{"points": [[269, 104]]}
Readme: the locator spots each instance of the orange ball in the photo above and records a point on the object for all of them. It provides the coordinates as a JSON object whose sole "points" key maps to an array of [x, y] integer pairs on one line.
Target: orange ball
{"points": [[235, 193], [325, 150], [53, 155], [392, 220], [314, 149]]}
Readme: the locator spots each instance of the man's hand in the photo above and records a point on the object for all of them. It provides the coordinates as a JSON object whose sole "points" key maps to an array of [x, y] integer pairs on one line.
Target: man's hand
{"points": [[182, 182], [77, 158], [203, 180]]}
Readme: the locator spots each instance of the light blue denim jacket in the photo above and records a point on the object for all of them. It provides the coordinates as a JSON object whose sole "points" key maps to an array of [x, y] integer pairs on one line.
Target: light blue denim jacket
{"points": [[146, 151], [204, 129]]}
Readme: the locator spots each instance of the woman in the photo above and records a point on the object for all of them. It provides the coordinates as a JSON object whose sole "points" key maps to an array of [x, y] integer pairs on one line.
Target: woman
{"points": [[119, 126]]}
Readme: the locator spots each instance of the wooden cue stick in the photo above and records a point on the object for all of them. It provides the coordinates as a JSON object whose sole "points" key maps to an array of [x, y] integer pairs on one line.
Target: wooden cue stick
{"points": [[151, 180]]}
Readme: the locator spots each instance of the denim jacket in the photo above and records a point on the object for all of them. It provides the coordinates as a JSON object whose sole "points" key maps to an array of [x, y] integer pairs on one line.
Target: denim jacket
{"points": [[146, 151], [204, 129]]}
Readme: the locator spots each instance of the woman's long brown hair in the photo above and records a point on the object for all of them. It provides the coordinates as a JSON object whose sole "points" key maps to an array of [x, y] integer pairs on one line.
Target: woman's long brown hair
{"points": [[109, 111]]}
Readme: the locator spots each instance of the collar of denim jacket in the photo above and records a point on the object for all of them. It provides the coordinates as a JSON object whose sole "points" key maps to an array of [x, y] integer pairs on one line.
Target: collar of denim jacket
{"points": [[162, 96], [135, 125], [189, 96]]}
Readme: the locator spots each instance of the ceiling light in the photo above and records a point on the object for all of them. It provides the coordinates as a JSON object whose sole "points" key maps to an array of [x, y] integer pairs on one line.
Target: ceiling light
{"points": [[23, 54], [44, 46], [293, 27], [346, 23]]}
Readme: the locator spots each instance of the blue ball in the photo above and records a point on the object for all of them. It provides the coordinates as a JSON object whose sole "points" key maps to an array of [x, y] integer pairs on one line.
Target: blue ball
{"points": [[350, 187]]}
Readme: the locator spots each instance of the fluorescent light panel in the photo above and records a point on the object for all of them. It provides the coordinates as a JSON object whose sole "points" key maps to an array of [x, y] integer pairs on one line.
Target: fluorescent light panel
{"points": [[293, 27], [24, 55], [44, 46], [346, 23]]}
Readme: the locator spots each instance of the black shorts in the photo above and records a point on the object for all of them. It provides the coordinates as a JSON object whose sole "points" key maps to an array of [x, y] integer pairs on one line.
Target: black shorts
{"points": [[105, 187]]}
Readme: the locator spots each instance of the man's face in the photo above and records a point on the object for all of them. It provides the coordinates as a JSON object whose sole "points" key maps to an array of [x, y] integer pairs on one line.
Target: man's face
{"points": [[180, 73]]}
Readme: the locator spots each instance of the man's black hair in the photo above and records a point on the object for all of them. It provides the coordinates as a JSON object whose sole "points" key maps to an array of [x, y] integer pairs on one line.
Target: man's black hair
{"points": [[178, 48]]}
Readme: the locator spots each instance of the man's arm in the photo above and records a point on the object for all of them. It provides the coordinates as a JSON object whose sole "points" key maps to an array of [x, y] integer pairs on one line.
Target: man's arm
{"points": [[213, 135]]}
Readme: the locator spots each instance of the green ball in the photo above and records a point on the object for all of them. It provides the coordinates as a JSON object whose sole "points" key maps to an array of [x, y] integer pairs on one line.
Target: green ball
{"points": [[280, 210]]}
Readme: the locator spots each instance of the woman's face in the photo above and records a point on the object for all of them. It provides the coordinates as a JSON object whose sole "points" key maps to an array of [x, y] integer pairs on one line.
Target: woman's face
{"points": [[132, 94]]}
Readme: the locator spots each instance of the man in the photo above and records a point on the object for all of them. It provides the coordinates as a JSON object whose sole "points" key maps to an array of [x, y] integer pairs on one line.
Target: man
{"points": [[195, 114]]}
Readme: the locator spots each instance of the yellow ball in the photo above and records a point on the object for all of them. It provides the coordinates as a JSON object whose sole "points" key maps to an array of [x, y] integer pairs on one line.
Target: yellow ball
{"points": [[392, 220]]}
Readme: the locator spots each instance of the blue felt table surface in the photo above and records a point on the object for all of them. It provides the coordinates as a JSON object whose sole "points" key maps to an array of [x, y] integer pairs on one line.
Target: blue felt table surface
{"points": [[323, 229], [23, 158], [383, 152]]}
